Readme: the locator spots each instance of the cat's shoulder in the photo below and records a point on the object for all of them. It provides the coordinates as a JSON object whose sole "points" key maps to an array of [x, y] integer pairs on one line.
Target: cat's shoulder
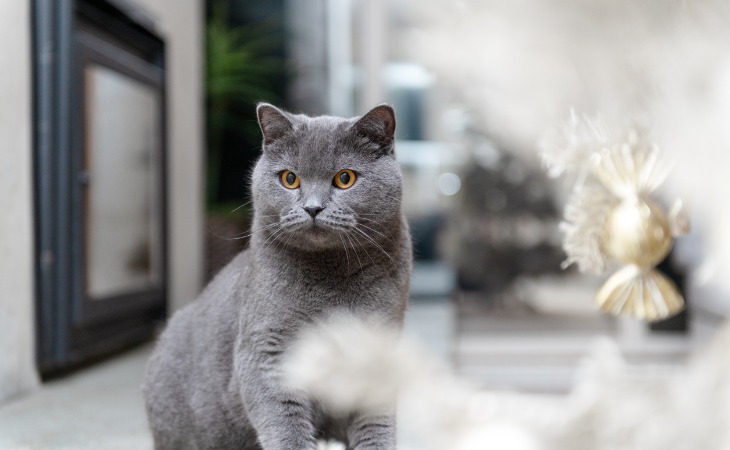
{"points": [[232, 275], [241, 263], [222, 294]]}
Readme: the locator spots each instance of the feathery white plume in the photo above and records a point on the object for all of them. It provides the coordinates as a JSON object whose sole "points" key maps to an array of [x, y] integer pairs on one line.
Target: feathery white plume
{"points": [[352, 364], [613, 406], [568, 147]]}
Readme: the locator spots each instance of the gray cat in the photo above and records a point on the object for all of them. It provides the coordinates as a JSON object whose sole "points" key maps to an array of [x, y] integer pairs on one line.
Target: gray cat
{"points": [[328, 234]]}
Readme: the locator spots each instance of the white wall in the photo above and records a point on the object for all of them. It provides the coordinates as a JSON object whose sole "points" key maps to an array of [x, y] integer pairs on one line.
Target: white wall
{"points": [[17, 347], [181, 24]]}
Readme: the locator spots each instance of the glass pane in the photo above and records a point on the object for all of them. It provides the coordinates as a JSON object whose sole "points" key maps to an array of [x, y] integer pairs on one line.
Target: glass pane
{"points": [[123, 246]]}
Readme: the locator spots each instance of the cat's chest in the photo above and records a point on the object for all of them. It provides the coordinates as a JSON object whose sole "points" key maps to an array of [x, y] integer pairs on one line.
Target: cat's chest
{"points": [[319, 285], [302, 280]]}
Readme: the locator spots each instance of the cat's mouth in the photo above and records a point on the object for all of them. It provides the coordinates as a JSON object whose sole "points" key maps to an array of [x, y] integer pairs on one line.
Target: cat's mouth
{"points": [[316, 231], [320, 227], [310, 226]]}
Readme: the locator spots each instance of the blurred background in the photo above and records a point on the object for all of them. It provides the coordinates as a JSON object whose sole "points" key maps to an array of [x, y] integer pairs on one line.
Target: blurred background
{"points": [[128, 131]]}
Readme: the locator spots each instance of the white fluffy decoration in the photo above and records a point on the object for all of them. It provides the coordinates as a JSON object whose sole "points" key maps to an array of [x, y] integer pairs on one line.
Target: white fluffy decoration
{"points": [[497, 434], [351, 364], [567, 148], [614, 408]]}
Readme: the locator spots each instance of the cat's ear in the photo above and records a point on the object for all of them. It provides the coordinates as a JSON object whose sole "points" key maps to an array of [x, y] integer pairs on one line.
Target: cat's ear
{"points": [[274, 122], [378, 125]]}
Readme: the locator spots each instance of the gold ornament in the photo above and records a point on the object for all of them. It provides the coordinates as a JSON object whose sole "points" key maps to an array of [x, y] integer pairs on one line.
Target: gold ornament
{"points": [[612, 216], [636, 231], [641, 293]]}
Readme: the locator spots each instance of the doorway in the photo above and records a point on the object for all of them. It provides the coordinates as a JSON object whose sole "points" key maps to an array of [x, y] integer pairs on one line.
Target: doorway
{"points": [[100, 167]]}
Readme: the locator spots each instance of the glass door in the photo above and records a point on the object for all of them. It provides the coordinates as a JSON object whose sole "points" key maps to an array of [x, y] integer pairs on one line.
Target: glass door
{"points": [[101, 183], [121, 191]]}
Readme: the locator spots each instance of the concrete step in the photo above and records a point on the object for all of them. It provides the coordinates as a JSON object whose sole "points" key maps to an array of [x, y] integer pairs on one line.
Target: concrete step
{"points": [[515, 356]]}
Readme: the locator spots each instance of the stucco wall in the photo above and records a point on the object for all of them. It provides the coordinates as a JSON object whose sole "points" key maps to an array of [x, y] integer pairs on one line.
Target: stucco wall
{"points": [[17, 348], [181, 23]]}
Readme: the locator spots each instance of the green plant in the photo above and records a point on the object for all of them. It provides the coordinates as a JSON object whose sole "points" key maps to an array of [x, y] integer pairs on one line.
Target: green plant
{"points": [[239, 72]]}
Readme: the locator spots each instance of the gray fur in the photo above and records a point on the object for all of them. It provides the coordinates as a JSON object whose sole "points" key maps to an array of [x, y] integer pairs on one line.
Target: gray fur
{"points": [[213, 381]]}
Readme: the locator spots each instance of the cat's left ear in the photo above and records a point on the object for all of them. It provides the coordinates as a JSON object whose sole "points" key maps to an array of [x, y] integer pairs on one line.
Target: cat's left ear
{"points": [[378, 125]]}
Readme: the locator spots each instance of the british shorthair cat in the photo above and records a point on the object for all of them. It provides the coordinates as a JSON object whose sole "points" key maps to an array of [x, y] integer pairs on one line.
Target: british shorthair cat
{"points": [[328, 234]]}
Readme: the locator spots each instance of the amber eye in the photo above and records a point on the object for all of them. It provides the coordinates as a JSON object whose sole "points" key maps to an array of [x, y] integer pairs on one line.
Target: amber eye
{"points": [[289, 179], [345, 178]]}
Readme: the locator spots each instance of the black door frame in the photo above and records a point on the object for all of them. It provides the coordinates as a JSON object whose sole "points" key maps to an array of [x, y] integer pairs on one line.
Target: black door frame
{"points": [[71, 329]]}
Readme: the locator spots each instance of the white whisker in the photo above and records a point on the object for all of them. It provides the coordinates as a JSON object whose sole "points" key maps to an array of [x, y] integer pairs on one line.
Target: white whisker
{"points": [[390, 238], [364, 249], [347, 235], [347, 253], [244, 235], [272, 236], [236, 209], [374, 242]]}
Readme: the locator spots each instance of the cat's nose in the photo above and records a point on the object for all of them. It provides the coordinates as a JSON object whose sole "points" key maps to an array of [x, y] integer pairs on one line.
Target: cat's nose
{"points": [[313, 210]]}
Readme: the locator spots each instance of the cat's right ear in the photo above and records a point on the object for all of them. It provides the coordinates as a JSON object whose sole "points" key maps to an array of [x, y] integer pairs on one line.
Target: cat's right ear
{"points": [[274, 122]]}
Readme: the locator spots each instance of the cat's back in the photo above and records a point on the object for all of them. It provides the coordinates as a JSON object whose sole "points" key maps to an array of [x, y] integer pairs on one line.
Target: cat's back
{"points": [[193, 359], [212, 316]]}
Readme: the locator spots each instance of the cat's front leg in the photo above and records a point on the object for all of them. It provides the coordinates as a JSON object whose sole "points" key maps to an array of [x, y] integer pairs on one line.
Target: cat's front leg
{"points": [[372, 432], [283, 420]]}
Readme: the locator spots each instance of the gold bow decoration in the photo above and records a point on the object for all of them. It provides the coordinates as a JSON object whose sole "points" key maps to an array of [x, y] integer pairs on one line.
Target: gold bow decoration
{"points": [[612, 216]]}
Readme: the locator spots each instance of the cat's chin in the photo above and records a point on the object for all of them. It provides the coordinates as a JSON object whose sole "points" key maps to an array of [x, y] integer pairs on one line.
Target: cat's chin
{"points": [[315, 239]]}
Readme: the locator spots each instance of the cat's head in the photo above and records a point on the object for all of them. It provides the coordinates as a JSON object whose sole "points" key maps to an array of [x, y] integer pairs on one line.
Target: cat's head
{"points": [[326, 182]]}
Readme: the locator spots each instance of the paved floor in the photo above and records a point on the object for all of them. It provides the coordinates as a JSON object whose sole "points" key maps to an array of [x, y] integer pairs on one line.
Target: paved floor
{"points": [[101, 408], [539, 343]]}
